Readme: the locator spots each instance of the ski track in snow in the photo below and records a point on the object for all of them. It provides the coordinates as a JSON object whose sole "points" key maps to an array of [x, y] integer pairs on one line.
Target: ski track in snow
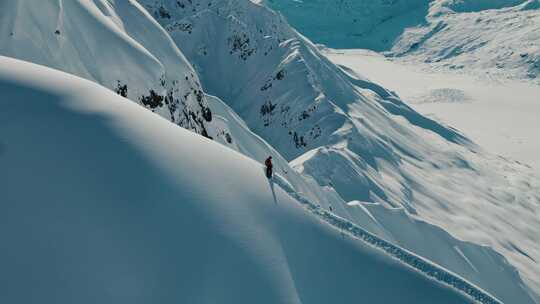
{"points": [[406, 257], [154, 232], [465, 258]]}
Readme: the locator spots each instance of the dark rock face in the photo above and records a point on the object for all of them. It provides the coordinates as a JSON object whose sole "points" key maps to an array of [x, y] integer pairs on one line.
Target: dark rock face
{"points": [[184, 106], [152, 100], [121, 90], [263, 40]]}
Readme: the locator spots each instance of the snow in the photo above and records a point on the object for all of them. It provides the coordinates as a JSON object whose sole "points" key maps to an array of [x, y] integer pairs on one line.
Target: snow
{"points": [[500, 115], [356, 138], [98, 208], [274, 93], [118, 43], [408, 258], [490, 102], [114, 43], [496, 36]]}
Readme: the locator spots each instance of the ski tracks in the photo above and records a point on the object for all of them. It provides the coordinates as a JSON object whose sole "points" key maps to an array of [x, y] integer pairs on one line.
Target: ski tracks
{"points": [[420, 264]]}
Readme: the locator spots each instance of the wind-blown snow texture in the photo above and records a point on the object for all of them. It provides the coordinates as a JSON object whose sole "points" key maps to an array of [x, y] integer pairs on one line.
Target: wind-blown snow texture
{"points": [[497, 36], [118, 215]]}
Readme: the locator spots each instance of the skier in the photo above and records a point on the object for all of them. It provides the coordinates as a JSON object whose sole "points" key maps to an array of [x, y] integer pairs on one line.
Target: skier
{"points": [[269, 165]]}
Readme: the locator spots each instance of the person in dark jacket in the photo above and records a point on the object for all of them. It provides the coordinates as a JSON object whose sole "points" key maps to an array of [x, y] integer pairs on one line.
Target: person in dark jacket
{"points": [[269, 166]]}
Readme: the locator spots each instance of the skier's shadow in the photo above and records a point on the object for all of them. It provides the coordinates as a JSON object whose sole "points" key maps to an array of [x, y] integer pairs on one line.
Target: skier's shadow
{"points": [[271, 183]]}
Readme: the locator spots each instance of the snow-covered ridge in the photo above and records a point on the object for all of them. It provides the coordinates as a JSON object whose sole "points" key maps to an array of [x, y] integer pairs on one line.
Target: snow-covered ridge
{"points": [[114, 43], [136, 221], [276, 80], [119, 45], [496, 36]]}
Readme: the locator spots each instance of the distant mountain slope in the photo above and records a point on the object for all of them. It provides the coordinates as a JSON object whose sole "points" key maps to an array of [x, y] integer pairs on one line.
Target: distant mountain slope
{"points": [[498, 36], [96, 208]]}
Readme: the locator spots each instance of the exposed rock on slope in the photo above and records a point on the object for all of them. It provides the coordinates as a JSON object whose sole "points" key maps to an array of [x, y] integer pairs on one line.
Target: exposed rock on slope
{"points": [[114, 43]]}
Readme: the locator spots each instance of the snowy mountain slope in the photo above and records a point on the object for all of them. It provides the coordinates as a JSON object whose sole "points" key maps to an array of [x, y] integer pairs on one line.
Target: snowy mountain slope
{"points": [[119, 45], [350, 134], [256, 148], [277, 81], [474, 262], [136, 220], [501, 116], [478, 264], [500, 37], [134, 38], [299, 55], [484, 114], [114, 43]]}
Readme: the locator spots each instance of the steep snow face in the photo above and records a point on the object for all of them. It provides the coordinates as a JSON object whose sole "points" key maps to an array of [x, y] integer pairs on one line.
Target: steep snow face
{"points": [[500, 37], [253, 146], [478, 264], [114, 43], [250, 58], [276, 80], [119, 45], [116, 214], [352, 135]]}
